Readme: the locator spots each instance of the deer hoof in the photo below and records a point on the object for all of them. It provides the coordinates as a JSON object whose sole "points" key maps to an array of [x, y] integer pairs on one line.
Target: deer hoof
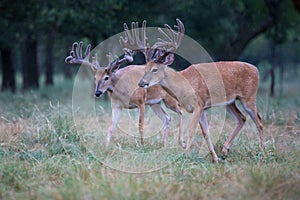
{"points": [[183, 144], [224, 157], [187, 152], [225, 151]]}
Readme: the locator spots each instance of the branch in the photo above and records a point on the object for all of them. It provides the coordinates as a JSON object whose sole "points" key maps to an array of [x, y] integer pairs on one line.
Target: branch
{"points": [[235, 47]]}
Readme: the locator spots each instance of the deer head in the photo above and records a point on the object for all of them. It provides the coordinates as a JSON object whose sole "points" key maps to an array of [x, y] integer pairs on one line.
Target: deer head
{"points": [[163, 55], [103, 75], [104, 78]]}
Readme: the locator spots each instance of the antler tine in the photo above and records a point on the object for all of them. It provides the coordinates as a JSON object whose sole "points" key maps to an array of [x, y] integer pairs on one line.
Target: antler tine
{"points": [[181, 30], [136, 35], [144, 37], [74, 48], [95, 61], [110, 57], [128, 35], [80, 50], [87, 51], [141, 40]]}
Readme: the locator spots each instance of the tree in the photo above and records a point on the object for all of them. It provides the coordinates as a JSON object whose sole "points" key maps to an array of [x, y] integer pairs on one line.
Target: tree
{"points": [[7, 43], [283, 31], [49, 63], [30, 72], [297, 5], [29, 16], [8, 70]]}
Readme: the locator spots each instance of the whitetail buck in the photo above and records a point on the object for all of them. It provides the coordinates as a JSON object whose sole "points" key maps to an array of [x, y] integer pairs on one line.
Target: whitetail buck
{"points": [[189, 86], [121, 85]]}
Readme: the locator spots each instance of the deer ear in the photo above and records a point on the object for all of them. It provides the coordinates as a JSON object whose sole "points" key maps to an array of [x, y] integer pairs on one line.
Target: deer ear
{"points": [[111, 69], [107, 70], [94, 69], [169, 59]]}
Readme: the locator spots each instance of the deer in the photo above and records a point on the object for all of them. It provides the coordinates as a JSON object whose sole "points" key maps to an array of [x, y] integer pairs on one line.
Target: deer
{"points": [[239, 79], [113, 80]]}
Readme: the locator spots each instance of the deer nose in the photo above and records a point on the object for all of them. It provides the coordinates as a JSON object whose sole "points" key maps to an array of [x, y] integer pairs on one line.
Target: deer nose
{"points": [[98, 93], [141, 83]]}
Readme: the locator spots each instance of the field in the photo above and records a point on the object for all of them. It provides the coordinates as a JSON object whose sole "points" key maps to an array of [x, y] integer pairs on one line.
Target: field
{"points": [[48, 150]]}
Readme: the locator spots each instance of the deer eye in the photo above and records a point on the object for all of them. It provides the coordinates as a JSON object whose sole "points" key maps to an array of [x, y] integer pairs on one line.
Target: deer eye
{"points": [[154, 70], [106, 78]]}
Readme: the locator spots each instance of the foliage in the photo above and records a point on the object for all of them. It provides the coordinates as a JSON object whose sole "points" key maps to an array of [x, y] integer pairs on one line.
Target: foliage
{"points": [[224, 28], [211, 22]]}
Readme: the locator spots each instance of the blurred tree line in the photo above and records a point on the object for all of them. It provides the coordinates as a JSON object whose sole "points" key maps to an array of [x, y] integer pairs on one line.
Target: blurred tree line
{"points": [[36, 35]]}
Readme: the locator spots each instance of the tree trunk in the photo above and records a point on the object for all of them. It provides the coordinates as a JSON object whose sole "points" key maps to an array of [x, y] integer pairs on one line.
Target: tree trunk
{"points": [[296, 5], [272, 84], [49, 58], [8, 70], [272, 71], [29, 64]]}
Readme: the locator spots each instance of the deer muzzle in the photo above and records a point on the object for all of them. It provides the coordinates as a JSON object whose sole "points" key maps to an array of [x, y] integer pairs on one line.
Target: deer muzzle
{"points": [[98, 93], [143, 84]]}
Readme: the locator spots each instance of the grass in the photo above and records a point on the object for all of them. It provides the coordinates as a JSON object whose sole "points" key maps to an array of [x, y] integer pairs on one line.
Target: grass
{"points": [[44, 154]]}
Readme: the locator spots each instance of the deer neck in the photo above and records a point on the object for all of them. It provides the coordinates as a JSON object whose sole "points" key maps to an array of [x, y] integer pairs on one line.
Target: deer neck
{"points": [[125, 85], [179, 87], [114, 80]]}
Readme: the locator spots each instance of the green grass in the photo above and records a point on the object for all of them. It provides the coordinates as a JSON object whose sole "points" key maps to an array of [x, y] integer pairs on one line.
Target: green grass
{"points": [[44, 154]]}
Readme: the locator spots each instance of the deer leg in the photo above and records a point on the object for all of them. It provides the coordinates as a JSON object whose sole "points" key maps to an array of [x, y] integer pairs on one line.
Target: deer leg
{"points": [[176, 108], [165, 118], [240, 121], [141, 121], [180, 134], [192, 129], [116, 113], [205, 131], [250, 107]]}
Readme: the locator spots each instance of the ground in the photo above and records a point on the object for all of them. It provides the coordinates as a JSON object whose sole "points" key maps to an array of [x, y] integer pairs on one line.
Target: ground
{"points": [[44, 154]]}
